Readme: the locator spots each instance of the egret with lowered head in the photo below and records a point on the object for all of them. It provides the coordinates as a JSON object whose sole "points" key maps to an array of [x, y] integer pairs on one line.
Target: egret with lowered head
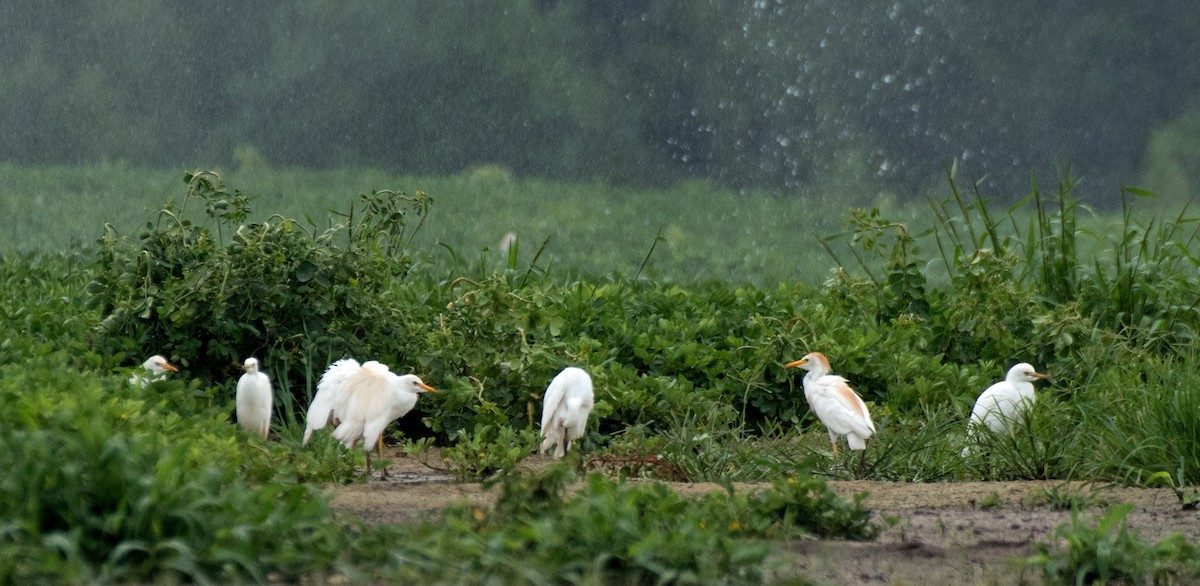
{"points": [[565, 408]]}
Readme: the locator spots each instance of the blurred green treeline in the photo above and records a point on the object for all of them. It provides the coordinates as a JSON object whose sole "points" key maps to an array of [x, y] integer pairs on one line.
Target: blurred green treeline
{"points": [[760, 94]]}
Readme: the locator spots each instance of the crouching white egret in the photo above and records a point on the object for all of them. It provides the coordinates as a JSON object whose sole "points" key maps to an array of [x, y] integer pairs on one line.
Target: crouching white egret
{"points": [[254, 399], [565, 408], [838, 407], [156, 368], [1002, 403], [372, 396]]}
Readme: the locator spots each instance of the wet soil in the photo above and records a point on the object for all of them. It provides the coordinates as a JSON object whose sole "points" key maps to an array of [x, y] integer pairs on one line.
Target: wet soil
{"points": [[935, 533]]}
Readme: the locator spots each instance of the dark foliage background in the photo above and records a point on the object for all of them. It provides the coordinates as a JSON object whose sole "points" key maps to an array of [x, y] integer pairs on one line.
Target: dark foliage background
{"points": [[760, 94]]}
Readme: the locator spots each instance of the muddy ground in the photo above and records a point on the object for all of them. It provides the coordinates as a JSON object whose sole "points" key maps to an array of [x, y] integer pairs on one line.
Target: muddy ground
{"points": [[942, 533]]}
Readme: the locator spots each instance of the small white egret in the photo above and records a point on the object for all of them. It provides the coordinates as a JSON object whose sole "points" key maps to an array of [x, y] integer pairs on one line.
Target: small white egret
{"points": [[156, 368], [835, 403], [254, 399], [565, 408], [506, 243], [330, 390], [373, 397], [1002, 403]]}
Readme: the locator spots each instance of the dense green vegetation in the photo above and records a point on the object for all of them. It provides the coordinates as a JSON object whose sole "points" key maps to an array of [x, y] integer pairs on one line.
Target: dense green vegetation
{"points": [[822, 96], [128, 484]]}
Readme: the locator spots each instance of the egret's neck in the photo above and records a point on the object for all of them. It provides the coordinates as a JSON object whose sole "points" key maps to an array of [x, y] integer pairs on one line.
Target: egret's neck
{"points": [[1025, 388], [814, 374]]}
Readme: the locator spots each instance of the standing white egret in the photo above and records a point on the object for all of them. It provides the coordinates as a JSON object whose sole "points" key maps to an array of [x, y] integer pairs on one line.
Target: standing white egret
{"points": [[254, 399], [565, 408], [1002, 403], [835, 403], [373, 397], [156, 368], [330, 390]]}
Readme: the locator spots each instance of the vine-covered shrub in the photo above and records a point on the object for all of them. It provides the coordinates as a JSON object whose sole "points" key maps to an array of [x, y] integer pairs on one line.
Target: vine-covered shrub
{"points": [[285, 292]]}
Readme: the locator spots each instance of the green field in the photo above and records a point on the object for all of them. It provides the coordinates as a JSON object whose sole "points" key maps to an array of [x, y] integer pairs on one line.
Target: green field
{"points": [[124, 484], [595, 228]]}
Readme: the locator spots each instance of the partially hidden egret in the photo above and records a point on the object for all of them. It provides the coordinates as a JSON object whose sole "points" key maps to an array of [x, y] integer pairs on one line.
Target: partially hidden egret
{"points": [[254, 399], [835, 403], [156, 368], [565, 408], [371, 398], [330, 390], [1002, 403], [506, 242]]}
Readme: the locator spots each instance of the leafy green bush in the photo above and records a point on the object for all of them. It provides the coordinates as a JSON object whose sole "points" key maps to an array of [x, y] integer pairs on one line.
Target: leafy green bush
{"points": [[275, 289], [113, 481], [489, 450]]}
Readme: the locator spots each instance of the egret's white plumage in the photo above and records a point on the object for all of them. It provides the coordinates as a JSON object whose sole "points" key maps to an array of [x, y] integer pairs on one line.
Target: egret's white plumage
{"points": [[254, 399], [565, 408], [1002, 403], [371, 397], [835, 403], [506, 242], [330, 390], [156, 368]]}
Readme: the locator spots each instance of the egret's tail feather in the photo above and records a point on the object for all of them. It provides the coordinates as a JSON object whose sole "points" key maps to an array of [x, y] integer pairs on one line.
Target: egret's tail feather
{"points": [[856, 443]]}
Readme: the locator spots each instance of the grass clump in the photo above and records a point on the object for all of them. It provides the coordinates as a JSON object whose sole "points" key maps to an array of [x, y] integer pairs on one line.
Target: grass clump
{"points": [[1108, 552]]}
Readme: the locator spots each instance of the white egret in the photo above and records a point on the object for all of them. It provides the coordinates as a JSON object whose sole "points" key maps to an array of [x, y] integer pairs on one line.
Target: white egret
{"points": [[1002, 403], [506, 242], [254, 399], [835, 403], [371, 398], [565, 408], [156, 368], [330, 390]]}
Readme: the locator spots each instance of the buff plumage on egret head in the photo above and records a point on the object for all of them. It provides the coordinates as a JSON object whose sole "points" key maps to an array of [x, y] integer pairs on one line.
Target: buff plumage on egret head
{"points": [[832, 400]]}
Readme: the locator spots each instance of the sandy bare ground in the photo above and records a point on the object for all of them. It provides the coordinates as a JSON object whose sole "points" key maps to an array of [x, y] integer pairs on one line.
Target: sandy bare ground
{"points": [[941, 533]]}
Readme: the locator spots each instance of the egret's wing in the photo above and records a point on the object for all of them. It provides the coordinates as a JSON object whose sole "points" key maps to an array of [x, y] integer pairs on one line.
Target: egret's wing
{"points": [[840, 408], [580, 387], [579, 400], [997, 406], [330, 392], [366, 399], [553, 398]]}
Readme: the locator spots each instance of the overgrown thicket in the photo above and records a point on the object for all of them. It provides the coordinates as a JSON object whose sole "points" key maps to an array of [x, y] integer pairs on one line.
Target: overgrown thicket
{"points": [[220, 290]]}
